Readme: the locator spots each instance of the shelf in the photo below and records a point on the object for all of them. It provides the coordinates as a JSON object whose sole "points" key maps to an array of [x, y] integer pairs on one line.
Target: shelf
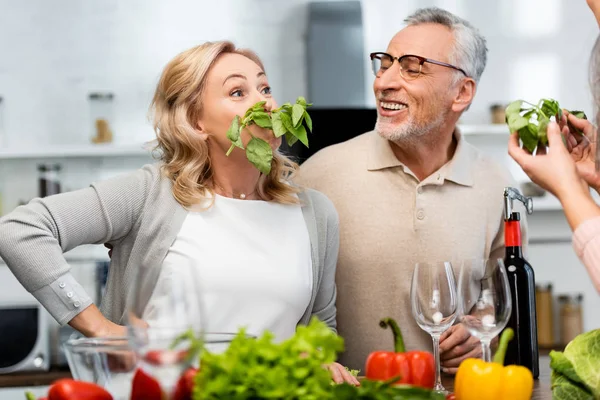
{"points": [[75, 151], [484, 129]]}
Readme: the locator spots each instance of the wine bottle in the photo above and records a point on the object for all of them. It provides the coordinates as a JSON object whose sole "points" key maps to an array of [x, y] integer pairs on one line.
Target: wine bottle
{"points": [[523, 349]]}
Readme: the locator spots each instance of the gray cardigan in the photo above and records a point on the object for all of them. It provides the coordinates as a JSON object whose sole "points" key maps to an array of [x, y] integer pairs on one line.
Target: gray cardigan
{"points": [[137, 214]]}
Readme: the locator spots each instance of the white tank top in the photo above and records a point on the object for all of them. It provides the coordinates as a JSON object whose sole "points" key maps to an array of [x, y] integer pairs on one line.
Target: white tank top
{"points": [[254, 262]]}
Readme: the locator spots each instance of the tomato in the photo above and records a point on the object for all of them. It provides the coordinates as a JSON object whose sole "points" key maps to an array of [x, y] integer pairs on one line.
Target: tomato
{"points": [[450, 396], [145, 387], [160, 357], [185, 385], [69, 389]]}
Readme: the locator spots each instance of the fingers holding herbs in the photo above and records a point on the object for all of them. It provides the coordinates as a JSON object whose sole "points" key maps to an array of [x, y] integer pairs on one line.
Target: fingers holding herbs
{"points": [[531, 122]]}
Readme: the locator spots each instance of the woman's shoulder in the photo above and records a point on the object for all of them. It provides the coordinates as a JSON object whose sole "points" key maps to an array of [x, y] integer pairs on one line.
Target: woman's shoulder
{"points": [[321, 205], [146, 175], [143, 184]]}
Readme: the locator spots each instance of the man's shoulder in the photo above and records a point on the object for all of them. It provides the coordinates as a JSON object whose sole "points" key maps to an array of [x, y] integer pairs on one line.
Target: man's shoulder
{"points": [[486, 169], [331, 164], [348, 150]]}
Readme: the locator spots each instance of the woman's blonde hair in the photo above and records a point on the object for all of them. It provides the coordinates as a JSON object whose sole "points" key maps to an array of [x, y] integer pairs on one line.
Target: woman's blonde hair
{"points": [[177, 108]]}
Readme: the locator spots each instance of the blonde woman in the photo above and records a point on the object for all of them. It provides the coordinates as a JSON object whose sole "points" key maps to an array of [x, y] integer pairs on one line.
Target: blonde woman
{"points": [[286, 239]]}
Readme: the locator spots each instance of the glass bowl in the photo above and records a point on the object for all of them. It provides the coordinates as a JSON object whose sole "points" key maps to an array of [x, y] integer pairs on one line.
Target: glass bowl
{"points": [[108, 362]]}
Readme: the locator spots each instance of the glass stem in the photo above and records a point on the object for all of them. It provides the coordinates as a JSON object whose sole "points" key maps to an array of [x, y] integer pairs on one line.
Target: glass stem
{"points": [[485, 349], [436, 356]]}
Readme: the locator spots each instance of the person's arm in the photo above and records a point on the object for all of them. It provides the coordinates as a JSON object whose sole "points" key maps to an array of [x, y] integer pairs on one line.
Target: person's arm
{"points": [[34, 237], [583, 215], [594, 5], [579, 206], [586, 242]]}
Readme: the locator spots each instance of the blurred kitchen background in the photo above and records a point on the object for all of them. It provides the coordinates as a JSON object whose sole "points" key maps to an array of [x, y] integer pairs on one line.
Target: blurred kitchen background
{"points": [[77, 77]]}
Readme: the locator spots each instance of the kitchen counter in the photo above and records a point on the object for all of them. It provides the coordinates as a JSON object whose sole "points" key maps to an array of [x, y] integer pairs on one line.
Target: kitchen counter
{"points": [[541, 388], [28, 379]]}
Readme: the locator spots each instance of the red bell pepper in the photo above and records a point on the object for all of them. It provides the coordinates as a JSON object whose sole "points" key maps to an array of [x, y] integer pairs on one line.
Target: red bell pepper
{"points": [[145, 387], [185, 385], [412, 367]]}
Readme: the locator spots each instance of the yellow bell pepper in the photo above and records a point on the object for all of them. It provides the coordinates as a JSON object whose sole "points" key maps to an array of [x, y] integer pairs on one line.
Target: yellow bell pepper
{"points": [[477, 379]]}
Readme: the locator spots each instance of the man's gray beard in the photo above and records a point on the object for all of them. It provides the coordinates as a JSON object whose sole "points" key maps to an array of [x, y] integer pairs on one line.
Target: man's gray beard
{"points": [[408, 132]]}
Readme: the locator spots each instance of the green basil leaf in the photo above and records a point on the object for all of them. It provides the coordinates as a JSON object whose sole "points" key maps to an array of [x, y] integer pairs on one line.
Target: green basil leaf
{"points": [[260, 154], [542, 130], [513, 108], [302, 101], [528, 136], [578, 114], [262, 119], [301, 135], [287, 122], [291, 139], [516, 122], [297, 114], [308, 120], [260, 106], [278, 128], [233, 134], [550, 107]]}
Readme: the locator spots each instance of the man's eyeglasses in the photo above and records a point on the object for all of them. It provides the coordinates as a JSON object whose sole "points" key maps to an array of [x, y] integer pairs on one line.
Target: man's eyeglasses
{"points": [[410, 65]]}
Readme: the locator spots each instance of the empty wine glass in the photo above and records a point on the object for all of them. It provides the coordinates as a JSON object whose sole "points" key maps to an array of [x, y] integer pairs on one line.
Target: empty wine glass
{"points": [[485, 302], [434, 304], [166, 321]]}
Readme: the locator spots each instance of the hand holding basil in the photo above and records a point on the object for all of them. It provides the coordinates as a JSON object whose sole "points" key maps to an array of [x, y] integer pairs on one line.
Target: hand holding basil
{"points": [[531, 120], [289, 120]]}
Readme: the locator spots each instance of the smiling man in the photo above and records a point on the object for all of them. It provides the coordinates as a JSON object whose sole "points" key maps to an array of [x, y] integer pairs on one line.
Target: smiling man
{"points": [[412, 190]]}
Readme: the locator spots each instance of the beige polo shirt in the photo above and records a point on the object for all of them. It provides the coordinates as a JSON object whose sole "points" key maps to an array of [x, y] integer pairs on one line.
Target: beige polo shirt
{"points": [[389, 221]]}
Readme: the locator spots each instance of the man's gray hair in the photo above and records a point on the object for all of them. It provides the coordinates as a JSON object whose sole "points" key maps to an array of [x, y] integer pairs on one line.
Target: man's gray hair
{"points": [[470, 50]]}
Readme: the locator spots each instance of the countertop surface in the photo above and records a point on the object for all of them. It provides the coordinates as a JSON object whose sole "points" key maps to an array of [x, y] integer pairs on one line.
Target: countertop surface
{"points": [[541, 388]]}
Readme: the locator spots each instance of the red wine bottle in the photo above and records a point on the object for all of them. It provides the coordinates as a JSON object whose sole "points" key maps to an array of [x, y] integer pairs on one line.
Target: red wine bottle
{"points": [[523, 349]]}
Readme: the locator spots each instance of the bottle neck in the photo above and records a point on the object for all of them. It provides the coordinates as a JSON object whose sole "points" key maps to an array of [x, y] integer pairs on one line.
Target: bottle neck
{"points": [[512, 235], [514, 252]]}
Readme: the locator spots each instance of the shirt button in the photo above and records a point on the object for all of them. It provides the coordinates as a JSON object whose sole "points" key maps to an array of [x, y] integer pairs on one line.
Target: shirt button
{"points": [[62, 285], [77, 304], [439, 177], [420, 190], [70, 294], [420, 214]]}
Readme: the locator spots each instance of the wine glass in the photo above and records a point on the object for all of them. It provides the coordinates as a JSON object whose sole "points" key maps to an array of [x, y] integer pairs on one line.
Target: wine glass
{"points": [[434, 304], [166, 321], [485, 302]]}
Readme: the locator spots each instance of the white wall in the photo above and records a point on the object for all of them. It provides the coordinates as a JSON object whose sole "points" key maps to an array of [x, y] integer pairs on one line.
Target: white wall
{"points": [[53, 53]]}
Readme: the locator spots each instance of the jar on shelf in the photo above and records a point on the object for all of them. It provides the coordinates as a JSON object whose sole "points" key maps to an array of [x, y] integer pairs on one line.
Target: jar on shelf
{"points": [[571, 317], [49, 181], [544, 314], [497, 113], [101, 112]]}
